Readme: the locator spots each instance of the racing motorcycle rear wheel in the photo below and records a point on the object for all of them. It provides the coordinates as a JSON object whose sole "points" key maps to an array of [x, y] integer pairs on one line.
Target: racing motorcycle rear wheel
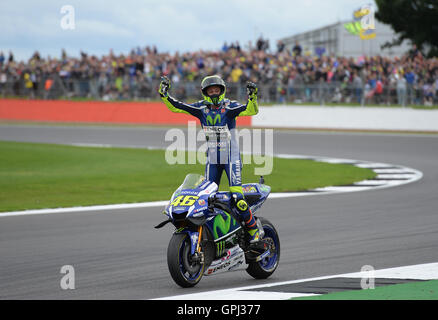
{"points": [[264, 268]]}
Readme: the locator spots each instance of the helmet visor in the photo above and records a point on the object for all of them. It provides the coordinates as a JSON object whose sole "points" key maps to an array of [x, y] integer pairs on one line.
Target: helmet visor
{"points": [[212, 81]]}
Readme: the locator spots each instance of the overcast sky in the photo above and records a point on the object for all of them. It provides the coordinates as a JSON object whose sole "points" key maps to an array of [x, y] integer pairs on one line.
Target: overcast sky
{"points": [[171, 25]]}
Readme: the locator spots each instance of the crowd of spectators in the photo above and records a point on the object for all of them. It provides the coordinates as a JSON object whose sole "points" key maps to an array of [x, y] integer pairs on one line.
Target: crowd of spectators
{"points": [[287, 74]]}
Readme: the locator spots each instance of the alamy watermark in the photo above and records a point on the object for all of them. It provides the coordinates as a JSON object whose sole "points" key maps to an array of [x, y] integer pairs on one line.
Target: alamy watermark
{"points": [[217, 143], [68, 19], [68, 281], [367, 281]]}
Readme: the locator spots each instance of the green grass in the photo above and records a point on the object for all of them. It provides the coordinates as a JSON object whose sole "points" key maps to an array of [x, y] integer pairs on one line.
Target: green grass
{"points": [[34, 175], [422, 290]]}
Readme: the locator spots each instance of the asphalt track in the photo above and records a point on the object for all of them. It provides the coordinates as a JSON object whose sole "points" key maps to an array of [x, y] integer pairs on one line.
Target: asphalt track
{"points": [[117, 254]]}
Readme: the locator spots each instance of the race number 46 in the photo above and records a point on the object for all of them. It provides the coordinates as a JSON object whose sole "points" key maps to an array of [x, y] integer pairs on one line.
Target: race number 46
{"points": [[184, 201]]}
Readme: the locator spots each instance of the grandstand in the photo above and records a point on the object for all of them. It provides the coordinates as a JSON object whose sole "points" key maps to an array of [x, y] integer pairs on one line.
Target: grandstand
{"points": [[282, 76]]}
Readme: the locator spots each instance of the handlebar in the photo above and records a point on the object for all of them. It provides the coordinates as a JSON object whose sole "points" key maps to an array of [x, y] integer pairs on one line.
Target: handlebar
{"points": [[215, 202]]}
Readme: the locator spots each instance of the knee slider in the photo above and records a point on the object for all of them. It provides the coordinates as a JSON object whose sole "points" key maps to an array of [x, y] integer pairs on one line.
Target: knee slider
{"points": [[240, 202], [242, 205]]}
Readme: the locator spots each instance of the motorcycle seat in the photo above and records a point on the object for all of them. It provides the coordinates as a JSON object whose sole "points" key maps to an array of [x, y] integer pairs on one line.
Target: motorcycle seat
{"points": [[252, 198]]}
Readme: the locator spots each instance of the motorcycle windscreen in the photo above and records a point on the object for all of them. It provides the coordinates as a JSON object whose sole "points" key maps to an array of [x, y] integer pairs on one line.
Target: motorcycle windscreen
{"points": [[191, 181]]}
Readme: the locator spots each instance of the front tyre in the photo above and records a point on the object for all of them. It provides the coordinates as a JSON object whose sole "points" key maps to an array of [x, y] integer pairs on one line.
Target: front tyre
{"points": [[184, 270], [264, 268]]}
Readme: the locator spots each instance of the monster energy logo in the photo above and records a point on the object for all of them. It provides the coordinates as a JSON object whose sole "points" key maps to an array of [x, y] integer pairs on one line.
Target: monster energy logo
{"points": [[222, 225], [217, 119], [220, 247]]}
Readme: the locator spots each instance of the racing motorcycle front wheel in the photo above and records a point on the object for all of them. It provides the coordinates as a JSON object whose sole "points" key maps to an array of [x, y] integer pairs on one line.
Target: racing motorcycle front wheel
{"points": [[185, 269]]}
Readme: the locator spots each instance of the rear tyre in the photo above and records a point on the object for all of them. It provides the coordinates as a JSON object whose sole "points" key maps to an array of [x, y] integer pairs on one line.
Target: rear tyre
{"points": [[184, 271], [264, 268]]}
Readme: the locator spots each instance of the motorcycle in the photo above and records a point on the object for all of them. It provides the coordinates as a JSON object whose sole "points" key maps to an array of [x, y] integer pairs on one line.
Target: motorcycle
{"points": [[209, 239]]}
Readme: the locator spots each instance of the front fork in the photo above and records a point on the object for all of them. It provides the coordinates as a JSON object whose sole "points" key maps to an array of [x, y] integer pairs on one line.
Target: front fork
{"points": [[195, 243]]}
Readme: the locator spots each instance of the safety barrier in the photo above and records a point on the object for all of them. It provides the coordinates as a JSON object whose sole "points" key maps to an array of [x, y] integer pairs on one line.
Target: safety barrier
{"points": [[348, 118], [279, 116], [94, 112]]}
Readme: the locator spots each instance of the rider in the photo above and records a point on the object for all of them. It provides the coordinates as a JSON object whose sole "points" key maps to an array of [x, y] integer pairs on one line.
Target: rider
{"points": [[218, 120]]}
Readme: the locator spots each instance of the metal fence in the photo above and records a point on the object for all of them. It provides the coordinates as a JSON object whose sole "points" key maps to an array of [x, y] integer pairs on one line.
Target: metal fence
{"points": [[55, 87]]}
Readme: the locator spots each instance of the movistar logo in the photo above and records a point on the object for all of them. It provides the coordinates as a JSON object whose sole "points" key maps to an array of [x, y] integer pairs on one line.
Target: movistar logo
{"points": [[210, 121], [222, 225]]}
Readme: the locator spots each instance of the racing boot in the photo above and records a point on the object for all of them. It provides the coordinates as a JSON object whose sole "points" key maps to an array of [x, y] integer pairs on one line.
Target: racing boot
{"points": [[253, 230]]}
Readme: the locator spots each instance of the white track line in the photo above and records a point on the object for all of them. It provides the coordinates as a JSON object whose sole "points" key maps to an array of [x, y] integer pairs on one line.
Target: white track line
{"points": [[428, 271], [87, 208], [403, 174]]}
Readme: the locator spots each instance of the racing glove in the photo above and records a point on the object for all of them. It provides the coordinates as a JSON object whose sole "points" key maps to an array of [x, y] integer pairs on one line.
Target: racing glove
{"points": [[164, 87], [252, 90]]}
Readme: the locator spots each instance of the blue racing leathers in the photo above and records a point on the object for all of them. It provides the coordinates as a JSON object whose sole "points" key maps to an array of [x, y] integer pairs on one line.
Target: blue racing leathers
{"points": [[219, 126]]}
